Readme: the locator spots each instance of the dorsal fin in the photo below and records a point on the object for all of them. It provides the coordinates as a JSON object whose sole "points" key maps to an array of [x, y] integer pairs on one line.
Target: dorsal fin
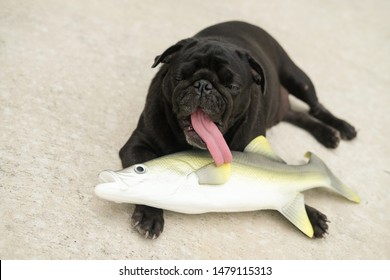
{"points": [[213, 175], [260, 145]]}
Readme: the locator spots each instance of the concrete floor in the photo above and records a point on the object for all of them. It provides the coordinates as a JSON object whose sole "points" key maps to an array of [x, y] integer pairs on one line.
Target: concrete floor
{"points": [[73, 79]]}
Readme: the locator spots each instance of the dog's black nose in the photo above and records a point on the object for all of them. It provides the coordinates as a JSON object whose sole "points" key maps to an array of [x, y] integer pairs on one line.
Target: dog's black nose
{"points": [[203, 86]]}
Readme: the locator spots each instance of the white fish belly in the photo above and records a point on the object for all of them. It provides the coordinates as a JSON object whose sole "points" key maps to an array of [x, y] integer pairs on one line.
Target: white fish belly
{"points": [[235, 196]]}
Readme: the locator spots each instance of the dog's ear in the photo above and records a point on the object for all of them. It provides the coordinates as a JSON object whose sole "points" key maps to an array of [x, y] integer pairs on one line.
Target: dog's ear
{"points": [[165, 57], [259, 76], [258, 72]]}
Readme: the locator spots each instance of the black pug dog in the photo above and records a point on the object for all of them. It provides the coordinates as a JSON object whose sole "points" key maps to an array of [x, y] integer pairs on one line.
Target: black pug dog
{"points": [[239, 77]]}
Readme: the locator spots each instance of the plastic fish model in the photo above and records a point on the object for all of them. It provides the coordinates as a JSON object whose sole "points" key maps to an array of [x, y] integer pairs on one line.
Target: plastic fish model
{"points": [[189, 182]]}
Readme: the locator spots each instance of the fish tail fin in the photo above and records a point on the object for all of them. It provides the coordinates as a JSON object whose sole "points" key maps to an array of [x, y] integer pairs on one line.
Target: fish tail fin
{"points": [[334, 183], [295, 212]]}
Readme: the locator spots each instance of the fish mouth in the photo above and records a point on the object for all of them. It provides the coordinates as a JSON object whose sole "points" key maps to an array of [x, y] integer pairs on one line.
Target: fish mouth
{"points": [[108, 177]]}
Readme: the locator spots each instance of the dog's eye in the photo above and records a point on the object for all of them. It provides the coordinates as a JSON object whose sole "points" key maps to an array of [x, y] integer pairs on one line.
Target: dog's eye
{"points": [[233, 87], [140, 169], [178, 78]]}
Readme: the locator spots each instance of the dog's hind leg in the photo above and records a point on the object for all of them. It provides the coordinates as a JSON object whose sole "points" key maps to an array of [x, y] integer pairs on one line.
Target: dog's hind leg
{"points": [[346, 130], [299, 85], [326, 135]]}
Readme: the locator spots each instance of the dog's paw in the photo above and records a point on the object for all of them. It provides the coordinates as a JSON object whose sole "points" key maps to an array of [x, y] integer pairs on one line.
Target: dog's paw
{"points": [[318, 220], [347, 131], [327, 136], [148, 221]]}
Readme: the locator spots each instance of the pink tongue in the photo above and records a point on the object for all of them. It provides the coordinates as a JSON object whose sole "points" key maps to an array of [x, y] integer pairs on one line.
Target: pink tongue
{"points": [[210, 134]]}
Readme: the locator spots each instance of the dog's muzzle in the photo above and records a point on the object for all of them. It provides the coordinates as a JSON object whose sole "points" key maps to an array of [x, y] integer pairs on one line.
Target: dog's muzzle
{"points": [[203, 87]]}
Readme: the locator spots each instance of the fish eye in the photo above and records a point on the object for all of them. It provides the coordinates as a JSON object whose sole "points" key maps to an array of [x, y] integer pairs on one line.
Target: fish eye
{"points": [[140, 169]]}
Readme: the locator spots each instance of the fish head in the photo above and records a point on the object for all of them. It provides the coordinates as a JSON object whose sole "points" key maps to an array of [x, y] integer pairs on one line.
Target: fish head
{"points": [[140, 183]]}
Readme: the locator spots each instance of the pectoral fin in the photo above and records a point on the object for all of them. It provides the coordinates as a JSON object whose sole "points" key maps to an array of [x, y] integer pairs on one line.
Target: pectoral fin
{"points": [[260, 145], [213, 175], [295, 212]]}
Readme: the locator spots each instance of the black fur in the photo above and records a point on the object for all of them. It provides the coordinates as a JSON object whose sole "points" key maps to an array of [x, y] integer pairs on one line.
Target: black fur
{"points": [[246, 73]]}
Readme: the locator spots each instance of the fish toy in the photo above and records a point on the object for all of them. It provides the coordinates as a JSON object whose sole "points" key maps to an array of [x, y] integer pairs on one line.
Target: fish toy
{"points": [[190, 182]]}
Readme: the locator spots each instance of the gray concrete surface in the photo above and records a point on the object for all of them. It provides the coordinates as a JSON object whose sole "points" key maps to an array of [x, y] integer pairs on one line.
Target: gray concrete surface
{"points": [[73, 78]]}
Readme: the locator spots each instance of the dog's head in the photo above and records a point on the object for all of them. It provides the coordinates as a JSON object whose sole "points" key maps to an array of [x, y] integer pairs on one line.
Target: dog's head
{"points": [[210, 75]]}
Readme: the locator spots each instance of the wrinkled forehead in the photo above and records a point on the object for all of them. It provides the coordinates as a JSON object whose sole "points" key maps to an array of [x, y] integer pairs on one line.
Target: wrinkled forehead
{"points": [[220, 59], [208, 54]]}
